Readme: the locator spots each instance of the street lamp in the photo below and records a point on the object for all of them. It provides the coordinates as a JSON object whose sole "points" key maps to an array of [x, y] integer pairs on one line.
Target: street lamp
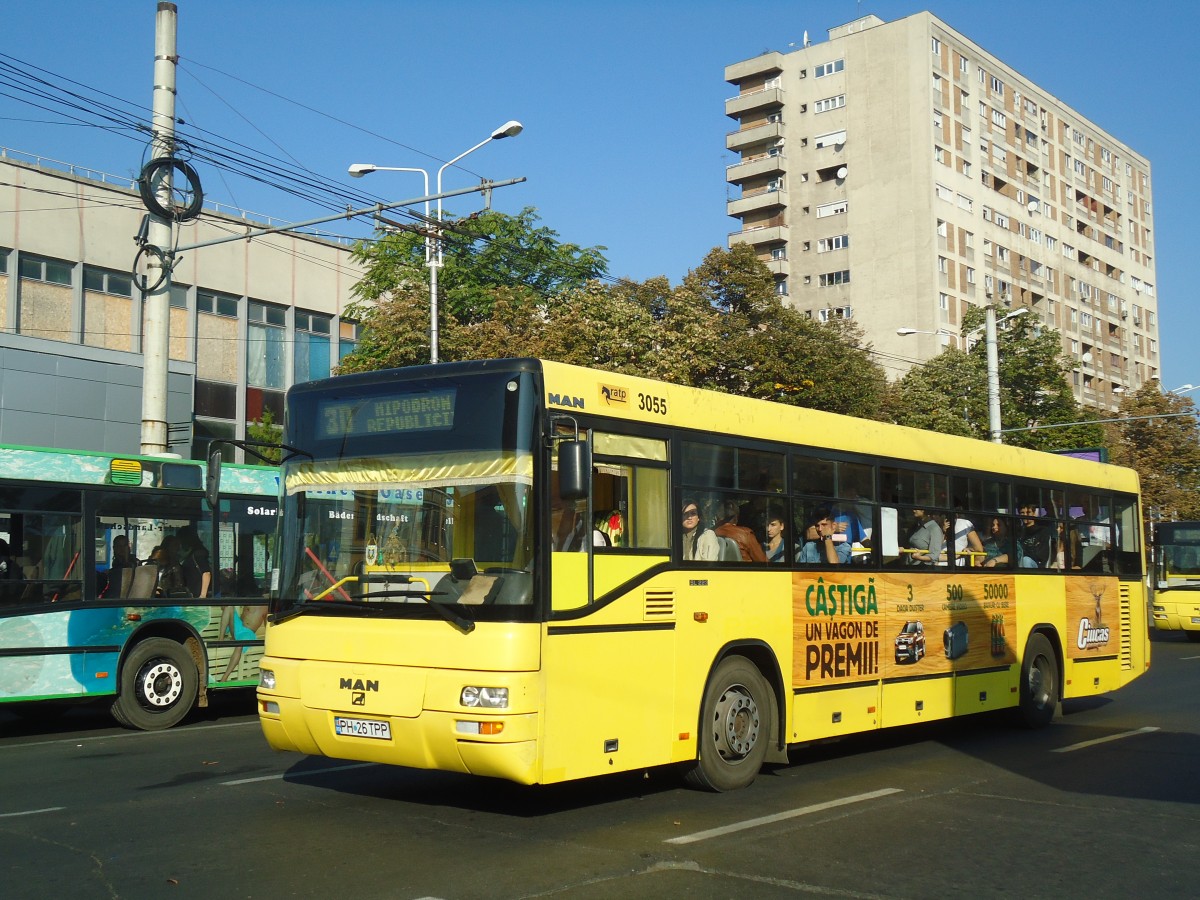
{"points": [[1185, 389], [433, 251], [993, 363]]}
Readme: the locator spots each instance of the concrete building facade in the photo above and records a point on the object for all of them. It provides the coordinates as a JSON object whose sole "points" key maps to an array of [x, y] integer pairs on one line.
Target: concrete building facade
{"points": [[248, 318], [898, 173]]}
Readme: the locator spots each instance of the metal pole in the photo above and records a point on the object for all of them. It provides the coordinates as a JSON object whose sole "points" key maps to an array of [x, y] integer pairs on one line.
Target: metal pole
{"points": [[993, 376], [157, 303], [437, 262]]}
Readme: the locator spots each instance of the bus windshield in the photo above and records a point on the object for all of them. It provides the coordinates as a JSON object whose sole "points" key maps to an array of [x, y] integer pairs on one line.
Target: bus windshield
{"points": [[416, 494], [1178, 552]]}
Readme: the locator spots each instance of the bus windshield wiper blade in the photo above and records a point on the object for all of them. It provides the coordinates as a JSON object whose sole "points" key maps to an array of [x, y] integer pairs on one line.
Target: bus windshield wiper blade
{"points": [[307, 606], [363, 601]]}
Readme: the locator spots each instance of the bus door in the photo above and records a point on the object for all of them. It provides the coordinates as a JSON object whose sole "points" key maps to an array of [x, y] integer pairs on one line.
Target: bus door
{"points": [[610, 640]]}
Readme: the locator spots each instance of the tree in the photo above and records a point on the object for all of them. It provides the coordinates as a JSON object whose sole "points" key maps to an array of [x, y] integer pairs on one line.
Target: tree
{"points": [[268, 432], [1165, 450], [482, 252], [949, 392], [754, 345], [723, 328]]}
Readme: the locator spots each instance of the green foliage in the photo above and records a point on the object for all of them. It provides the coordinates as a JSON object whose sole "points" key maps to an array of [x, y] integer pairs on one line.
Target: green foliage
{"points": [[267, 431], [1164, 450], [723, 328], [481, 253], [949, 392]]}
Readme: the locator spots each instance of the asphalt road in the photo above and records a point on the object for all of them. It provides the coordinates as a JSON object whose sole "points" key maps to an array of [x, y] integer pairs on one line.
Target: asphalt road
{"points": [[1103, 803]]}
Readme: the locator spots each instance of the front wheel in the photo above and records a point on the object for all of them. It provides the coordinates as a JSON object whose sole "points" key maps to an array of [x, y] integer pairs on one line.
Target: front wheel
{"points": [[1039, 683], [735, 726], [159, 686]]}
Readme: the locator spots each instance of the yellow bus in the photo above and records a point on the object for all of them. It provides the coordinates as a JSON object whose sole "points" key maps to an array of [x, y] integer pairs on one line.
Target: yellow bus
{"points": [[1175, 603], [540, 572]]}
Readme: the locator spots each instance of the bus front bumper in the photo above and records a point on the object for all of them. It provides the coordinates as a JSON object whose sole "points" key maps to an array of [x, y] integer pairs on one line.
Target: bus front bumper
{"points": [[449, 742]]}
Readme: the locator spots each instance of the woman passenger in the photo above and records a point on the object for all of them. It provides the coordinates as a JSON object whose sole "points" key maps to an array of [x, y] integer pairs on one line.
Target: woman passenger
{"points": [[996, 544]]}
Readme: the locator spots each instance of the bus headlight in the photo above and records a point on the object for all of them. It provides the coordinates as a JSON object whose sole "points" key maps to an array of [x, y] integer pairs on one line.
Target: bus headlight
{"points": [[484, 697], [266, 679]]}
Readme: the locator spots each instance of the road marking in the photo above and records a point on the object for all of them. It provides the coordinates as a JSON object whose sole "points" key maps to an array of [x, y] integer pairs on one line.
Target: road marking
{"points": [[31, 812], [127, 734], [310, 774], [1189, 657], [779, 817], [1104, 740]]}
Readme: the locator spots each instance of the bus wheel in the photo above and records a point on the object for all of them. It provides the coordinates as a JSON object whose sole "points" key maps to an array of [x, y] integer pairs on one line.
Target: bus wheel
{"points": [[159, 686], [735, 727], [1039, 683]]}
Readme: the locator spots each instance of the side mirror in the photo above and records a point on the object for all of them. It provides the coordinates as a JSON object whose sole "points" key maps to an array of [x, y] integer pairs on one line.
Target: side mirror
{"points": [[574, 470], [212, 480]]}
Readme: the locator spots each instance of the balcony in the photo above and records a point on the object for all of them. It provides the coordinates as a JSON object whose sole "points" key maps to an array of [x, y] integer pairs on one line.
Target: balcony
{"points": [[757, 134], [767, 63], [777, 266], [772, 232], [760, 99], [763, 198], [754, 168]]}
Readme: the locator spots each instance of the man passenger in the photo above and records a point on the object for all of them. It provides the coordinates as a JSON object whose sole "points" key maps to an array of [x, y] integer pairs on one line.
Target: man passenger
{"points": [[819, 545]]}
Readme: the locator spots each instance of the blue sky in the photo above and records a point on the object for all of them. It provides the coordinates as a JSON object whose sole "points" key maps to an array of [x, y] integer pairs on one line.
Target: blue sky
{"points": [[622, 102]]}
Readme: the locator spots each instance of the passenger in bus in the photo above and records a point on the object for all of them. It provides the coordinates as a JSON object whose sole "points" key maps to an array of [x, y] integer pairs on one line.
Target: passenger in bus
{"points": [[10, 575], [699, 542], [195, 562], [121, 569], [819, 545], [1067, 547], [996, 544], [852, 517], [775, 546], [1034, 540], [926, 541], [728, 527], [966, 539], [612, 526], [171, 581], [599, 534]]}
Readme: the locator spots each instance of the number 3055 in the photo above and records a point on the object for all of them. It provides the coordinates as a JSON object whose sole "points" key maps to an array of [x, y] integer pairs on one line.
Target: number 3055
{"points": [[651, 404]]}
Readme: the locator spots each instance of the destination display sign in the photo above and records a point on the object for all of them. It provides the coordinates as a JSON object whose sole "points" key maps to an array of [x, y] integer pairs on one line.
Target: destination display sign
{"points": [[427, 411]]}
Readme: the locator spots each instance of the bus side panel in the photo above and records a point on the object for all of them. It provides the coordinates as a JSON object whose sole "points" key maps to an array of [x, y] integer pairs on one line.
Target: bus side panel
{"points": [[635, 671], [914, 632], [835, 712], [29, 672], [609, 704]]}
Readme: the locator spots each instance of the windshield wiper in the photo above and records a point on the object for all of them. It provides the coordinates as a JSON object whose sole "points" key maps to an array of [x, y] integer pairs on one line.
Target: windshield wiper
{"points": [[461, 622], [357, 601], [310, 605]]}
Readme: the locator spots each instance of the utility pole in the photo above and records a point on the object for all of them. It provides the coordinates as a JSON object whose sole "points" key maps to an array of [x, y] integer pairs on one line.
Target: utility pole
{"points": [[157, 302], [993, 375]]}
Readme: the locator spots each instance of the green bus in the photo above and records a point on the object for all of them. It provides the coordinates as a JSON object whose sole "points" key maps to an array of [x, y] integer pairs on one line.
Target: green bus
{"points": [[117, 579]]}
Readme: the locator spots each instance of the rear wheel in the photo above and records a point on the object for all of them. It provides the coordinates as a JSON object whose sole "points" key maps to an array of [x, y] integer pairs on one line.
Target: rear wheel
{"points": [[735, 726], [1039, 682], [159, 685]]}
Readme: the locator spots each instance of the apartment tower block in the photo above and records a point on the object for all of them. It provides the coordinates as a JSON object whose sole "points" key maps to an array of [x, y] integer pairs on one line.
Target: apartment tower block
{"points": [[898, 173]]}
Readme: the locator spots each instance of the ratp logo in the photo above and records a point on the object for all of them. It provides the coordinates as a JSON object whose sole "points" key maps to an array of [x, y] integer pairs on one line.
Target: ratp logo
{"points": [[565, 400], [612, 395]]}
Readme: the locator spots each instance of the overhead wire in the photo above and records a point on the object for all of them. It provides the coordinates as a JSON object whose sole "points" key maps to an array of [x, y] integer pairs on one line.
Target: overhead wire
{"points": [[234, 157]]}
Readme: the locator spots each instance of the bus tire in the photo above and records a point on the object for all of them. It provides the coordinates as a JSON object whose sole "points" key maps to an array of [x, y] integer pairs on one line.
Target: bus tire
{"points": [[1039, 683], [159, 685], [735, 728]]}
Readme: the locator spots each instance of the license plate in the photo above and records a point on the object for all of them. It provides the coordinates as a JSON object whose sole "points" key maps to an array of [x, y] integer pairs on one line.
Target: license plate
{"points": [[364, 728]]}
